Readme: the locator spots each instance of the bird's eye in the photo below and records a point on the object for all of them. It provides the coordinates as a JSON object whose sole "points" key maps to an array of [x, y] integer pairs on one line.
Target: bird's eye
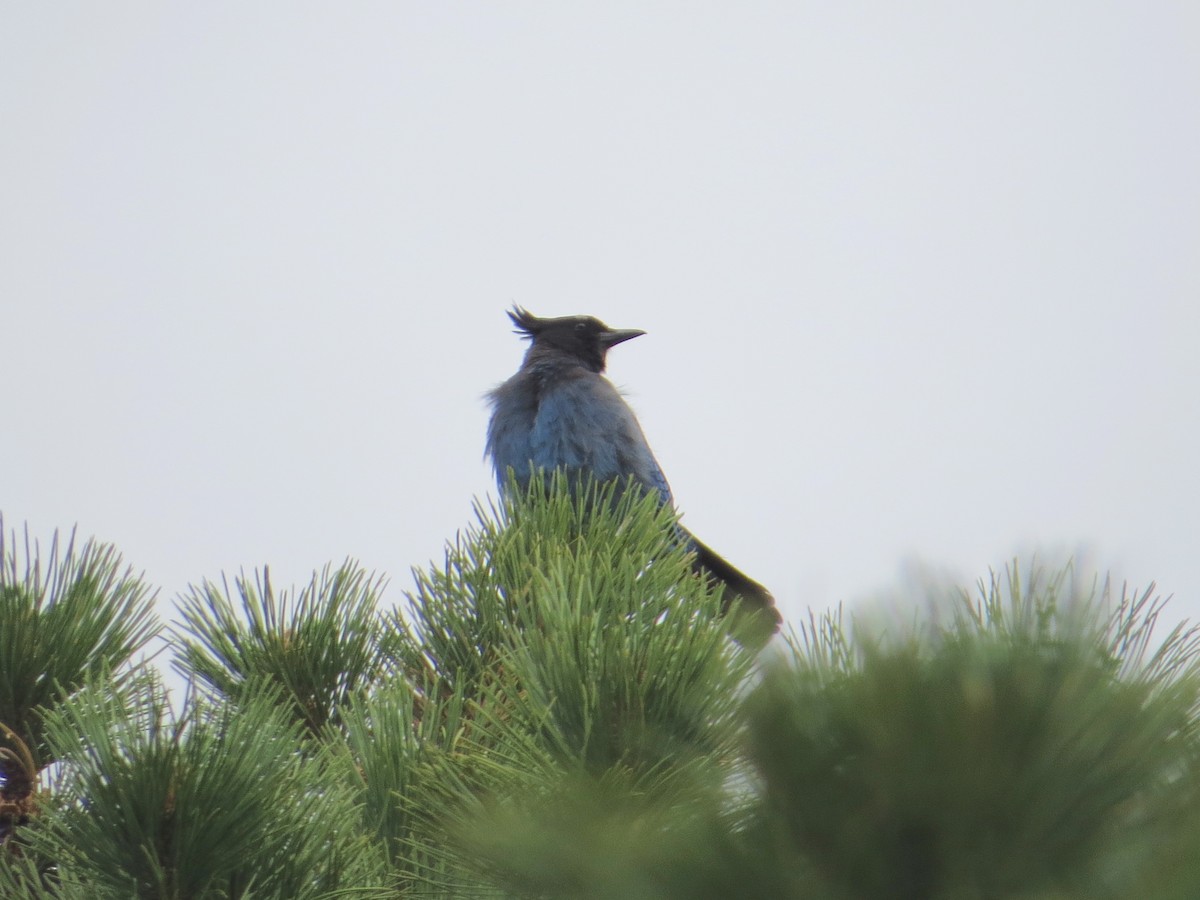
{"points": [[581, 327]]}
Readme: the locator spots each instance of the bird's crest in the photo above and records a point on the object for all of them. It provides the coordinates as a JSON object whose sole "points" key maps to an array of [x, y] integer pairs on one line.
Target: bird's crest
{"points": [[528, 325]]}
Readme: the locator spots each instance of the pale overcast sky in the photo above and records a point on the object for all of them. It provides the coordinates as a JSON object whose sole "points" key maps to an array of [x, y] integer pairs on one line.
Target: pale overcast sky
{"points": [[920, 281]]}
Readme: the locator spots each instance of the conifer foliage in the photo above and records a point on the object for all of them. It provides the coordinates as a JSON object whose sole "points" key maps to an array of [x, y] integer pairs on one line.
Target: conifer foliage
{"points": [[559, 709]]}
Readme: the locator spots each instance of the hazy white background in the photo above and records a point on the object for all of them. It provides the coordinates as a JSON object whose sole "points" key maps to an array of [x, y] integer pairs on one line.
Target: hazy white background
{"points": [[920, 280]]}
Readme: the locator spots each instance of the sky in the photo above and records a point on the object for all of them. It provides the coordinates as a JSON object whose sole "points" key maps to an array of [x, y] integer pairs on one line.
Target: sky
{"points": [[920, 282]]}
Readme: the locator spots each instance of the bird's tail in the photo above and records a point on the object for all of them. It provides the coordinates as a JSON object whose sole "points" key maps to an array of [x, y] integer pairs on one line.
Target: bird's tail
{"points": [[755, 602]]}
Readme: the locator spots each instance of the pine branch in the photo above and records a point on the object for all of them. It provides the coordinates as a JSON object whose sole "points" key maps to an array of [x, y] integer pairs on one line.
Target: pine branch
{"points": [[69, 617], [322, 647]]}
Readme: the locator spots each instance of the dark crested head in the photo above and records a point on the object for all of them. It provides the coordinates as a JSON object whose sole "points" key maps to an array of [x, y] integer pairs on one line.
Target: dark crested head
{"points": [[585, 338]]}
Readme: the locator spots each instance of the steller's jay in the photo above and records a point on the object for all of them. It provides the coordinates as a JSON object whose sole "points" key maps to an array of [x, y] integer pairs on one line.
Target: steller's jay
{"points": [[560, 412]]}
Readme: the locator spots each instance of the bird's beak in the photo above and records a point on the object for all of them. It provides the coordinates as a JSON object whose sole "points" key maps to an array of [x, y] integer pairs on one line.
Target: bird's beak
{"points": [[615, 336]]}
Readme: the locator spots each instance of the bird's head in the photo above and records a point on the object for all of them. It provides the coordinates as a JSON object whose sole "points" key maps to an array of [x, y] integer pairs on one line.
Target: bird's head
{"points": [[584, 338]]}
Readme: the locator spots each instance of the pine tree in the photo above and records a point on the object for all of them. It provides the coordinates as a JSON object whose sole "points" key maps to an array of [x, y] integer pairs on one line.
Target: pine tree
{"points": [[559, 709]]}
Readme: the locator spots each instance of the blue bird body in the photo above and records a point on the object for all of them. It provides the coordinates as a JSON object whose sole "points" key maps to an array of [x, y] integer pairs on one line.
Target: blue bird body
{"points": [[559, 412], [562, 416]]}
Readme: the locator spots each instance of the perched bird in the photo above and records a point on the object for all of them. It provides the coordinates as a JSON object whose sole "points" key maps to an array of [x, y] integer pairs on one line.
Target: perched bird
{"points": [[560, 412]]}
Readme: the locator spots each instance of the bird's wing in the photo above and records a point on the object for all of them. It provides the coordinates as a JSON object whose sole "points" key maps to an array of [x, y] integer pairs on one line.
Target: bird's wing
{"points": [[583, 422], [655, 478], [514, 406]]}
